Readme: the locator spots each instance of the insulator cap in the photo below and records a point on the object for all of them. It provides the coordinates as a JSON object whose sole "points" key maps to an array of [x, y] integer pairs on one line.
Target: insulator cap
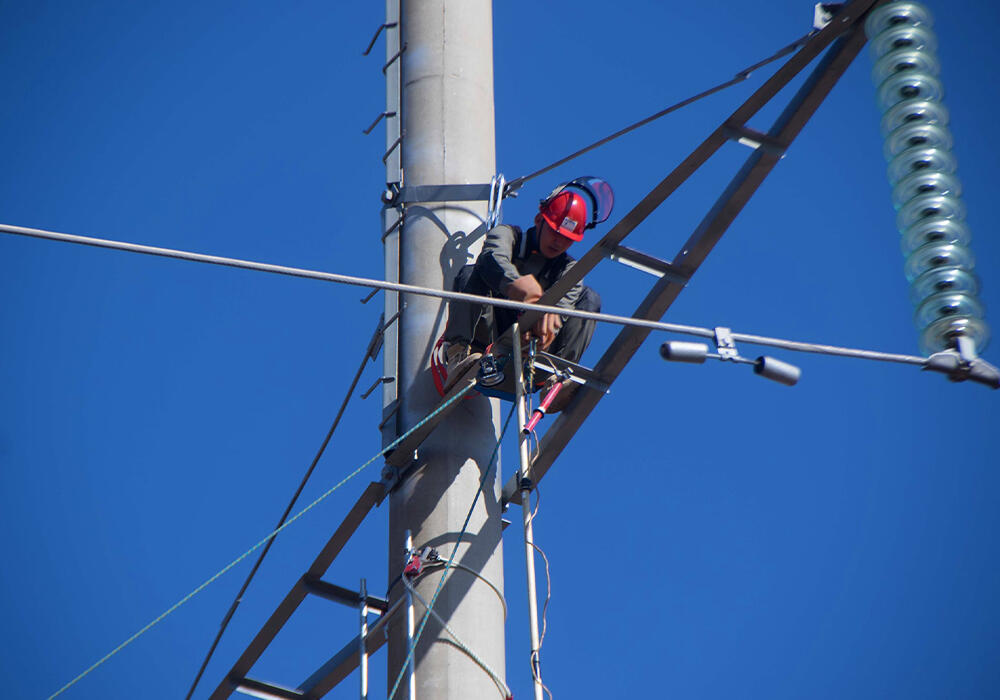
{"points": [[929, 206], [911, 37], [942, 334], [920, 158], [924, 183], [903, 61], [934, 230], [946, 305], [914, 112], [937, 255], [909, 85], [917, 134], [939, 280], [894, 14]]}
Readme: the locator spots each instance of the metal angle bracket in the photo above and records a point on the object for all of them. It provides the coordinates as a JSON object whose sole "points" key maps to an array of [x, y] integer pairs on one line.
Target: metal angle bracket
{"points": [[378, 382], [371, 44], [643, 262], [379, 118], [824, 12], [754, 139], [393, 476], [438, 193], [577, 373], [267, 691]]}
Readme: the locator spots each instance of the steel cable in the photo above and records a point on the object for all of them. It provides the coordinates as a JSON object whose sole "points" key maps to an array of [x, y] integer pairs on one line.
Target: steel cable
{"points": [[501, 685], [451, 559], [262, 542], [516, 183], [288, 509], [460, 296]]}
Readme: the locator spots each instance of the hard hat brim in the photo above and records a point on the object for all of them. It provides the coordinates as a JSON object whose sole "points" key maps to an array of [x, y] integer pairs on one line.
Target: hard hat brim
{"points": [[560, 230]]}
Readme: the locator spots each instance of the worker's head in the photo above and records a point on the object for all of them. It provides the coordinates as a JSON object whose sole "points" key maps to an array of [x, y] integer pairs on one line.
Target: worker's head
{"points": [[560, 221]]}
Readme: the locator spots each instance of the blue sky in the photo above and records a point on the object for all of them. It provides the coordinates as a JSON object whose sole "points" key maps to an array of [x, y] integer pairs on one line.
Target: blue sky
{"points": [[712, 535]]}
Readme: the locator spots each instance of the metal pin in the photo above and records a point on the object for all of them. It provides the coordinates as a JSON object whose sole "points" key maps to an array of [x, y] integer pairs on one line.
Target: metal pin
{"points": [[363, 641]]}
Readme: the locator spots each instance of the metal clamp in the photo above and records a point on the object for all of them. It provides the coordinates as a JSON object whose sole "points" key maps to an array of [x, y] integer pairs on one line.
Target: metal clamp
{"points": [[726, 345], [441, 193], [959, 369], [493, 211]]}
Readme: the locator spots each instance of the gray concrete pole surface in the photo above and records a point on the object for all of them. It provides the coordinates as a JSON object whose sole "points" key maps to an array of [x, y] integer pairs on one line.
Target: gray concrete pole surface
{"points": [[448, 138]]}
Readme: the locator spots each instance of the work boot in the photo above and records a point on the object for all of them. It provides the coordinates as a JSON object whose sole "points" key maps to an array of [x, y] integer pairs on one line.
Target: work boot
{"points": [[460, 359]]}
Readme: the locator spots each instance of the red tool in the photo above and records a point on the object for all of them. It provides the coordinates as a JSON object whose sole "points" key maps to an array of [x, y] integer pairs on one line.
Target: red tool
{"points": [[537, 414], [413, 567]]}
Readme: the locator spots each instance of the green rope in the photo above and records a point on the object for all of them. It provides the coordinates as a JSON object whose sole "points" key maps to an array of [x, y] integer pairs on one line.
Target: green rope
{"points": [[260, 544], [459, 643], [451, 559]]}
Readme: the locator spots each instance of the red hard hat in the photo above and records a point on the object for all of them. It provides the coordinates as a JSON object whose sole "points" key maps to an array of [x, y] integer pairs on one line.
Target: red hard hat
{"points": [[566, 213]]}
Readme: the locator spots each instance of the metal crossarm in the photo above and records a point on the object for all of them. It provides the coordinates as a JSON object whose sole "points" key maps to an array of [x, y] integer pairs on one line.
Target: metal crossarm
{"points": [[707, 234], [347, 659]]}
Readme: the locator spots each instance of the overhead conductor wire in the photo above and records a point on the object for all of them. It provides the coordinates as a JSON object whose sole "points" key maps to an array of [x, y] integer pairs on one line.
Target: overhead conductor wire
{"points": [[516, 183], [461, 394], [288, 509], [460, 296]]}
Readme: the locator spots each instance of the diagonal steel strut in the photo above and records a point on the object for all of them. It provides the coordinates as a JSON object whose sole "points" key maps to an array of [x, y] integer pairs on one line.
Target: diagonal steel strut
{"points": [[707, 234]]}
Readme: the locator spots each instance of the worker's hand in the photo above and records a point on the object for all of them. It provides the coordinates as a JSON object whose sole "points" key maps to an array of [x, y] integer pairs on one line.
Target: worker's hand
{"points": [[525, 289], [546, 329]]}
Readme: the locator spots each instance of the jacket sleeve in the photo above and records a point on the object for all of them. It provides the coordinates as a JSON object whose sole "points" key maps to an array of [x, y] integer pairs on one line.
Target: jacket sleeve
{"points": [[495, 263], [571, 297]]}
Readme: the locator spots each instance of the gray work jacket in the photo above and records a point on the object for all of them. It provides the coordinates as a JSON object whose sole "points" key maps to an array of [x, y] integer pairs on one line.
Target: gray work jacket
{"points": [[509, 253]]}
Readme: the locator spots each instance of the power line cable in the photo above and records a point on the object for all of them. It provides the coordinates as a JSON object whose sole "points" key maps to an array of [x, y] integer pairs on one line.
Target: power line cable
{"points": [[451, 559], [683, 329], [461, 394], [369, 354], [516, 183]]}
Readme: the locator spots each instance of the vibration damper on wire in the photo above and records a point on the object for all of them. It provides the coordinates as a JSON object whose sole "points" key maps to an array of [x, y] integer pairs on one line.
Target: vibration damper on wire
{"points": [[697, 353]]}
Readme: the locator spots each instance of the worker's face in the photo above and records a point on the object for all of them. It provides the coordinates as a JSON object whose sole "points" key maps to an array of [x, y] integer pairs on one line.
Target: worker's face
{"points": [[552, 244]]}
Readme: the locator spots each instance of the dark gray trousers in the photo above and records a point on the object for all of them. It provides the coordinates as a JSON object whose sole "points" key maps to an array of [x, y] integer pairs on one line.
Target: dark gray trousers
{"points": [[481, 324]]}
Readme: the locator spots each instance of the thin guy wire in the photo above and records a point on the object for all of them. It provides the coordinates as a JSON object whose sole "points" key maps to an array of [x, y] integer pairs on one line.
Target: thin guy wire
{"points": [[451, 559], [260, 544], [683, 329], [501, 685], [291, 504], [516, 183]]}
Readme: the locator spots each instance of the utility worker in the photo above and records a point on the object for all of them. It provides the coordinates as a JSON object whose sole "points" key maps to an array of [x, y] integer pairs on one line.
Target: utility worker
{"points": [[521, 265]]}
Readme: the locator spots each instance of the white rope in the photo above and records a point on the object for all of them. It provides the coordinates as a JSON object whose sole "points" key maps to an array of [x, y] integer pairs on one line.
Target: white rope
{"points": [[458, 642]]}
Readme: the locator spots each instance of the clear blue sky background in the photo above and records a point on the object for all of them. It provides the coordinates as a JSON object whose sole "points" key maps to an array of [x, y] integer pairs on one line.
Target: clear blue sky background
{"points": [[712, 535]]}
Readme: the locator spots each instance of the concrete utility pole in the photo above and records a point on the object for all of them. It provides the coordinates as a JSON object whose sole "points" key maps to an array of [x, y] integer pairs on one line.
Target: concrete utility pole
{"points": [[447, 122]]}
